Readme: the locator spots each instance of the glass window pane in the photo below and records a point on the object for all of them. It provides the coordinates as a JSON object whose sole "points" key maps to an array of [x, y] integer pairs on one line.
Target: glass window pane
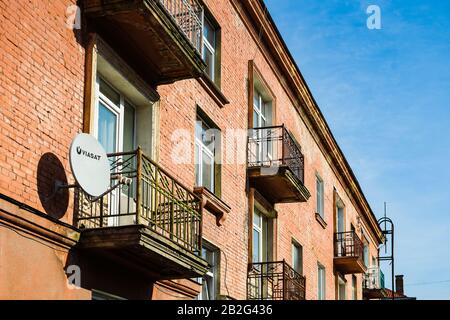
{"points": [[263, 109], [322, 199], [256, 246], [256, 100], [209, 33], [319, 191], [255, 119], [297, 258], [207, 171], [208, 138], [318, 195], [198, 129], [366, 254], [109, 92], [321, 283], [198, 178], [107, 126], [340, 218], [208, 57], [294, 257], [341, 290]]}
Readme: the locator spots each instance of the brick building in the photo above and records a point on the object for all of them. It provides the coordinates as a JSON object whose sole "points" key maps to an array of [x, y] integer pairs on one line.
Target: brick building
{"points": [[238, 188]]}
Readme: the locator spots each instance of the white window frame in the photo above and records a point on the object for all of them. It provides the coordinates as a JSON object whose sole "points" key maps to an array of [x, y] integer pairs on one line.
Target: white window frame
{"points": [[203, 147], [118, 110]]}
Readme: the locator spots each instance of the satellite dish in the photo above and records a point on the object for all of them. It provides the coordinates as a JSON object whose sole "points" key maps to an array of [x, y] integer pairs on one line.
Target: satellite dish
{"points": [[89, 164]]}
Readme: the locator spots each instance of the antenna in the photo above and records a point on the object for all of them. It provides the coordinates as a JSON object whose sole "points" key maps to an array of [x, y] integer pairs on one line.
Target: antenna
{"points": [[90, 167]]}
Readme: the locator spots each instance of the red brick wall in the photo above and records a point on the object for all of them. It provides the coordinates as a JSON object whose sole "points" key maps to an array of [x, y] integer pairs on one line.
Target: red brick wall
{"points": [[41, 109], [178, 109], [41, 92], [41, 106]]}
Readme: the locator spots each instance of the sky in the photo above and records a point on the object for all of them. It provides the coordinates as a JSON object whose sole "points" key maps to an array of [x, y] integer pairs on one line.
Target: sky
{"points": [[385, 94]]}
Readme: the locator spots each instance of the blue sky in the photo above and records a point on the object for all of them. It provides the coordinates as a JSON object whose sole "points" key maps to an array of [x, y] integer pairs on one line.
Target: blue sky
{"points": [[385, 94]]}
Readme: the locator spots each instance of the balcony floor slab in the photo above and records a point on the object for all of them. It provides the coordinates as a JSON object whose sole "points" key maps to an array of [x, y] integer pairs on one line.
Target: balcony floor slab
{"points": [[143, 249]]}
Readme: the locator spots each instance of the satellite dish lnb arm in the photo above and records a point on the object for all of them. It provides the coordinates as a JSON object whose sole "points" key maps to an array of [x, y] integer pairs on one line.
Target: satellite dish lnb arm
{"points": [[60, 185], [122, 180]]}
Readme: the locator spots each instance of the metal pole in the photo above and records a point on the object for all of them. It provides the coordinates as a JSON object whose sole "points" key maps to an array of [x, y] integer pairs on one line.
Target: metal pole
{"points": [[392, 253]]}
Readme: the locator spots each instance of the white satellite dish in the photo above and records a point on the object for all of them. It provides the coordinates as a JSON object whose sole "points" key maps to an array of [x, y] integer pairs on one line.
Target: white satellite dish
{"points": [[90, 165]]}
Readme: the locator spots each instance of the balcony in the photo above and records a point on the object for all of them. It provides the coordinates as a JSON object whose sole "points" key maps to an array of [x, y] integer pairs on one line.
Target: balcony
{"points": [[152, 223], [348, 253], [275, 165], [274, 281], [373, 284], [160, 38]]}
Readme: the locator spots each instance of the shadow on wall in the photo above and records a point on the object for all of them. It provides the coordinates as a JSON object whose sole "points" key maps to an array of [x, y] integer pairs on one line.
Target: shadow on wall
{"points": [[50, 171]]}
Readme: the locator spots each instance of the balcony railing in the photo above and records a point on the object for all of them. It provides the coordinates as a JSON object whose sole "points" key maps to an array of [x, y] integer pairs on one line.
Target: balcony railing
{"points": [[373, 278], [188, 14], [274, 147], [153, 198], [274, 281], [347, 244]]}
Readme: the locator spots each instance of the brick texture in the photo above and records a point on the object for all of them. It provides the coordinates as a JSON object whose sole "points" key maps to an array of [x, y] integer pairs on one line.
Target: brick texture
{"points": [[42, 74]]}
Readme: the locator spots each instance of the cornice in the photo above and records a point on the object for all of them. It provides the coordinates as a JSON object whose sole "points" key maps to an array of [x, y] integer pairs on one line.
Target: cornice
{"points": [[26, 220]]}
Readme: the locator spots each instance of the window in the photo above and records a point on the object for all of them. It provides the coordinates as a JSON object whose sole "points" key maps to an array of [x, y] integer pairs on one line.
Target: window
{"points": [[354, 288], [262, 117], [115, 119], [320, 197], [115, 130], [297, 257], [342, 287], [210, 50], [321, 282], [205, 148], [261, 110], [366, 252], [260, 237], [210, 279], [340, 225]]}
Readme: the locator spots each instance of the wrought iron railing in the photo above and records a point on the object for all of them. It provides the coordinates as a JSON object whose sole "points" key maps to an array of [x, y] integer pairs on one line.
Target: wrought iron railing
{"points": [[348, 244], [274, 281], [188, 14], [274, 147], [152, 198], [373, 278]]}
